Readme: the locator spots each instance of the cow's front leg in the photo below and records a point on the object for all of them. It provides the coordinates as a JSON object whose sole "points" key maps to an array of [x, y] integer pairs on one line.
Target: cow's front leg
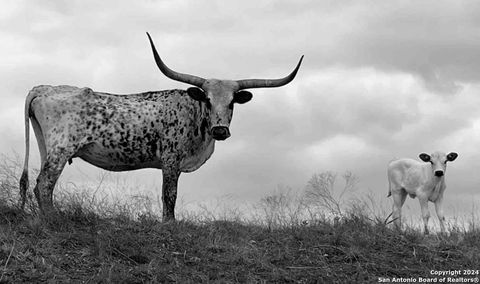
{"points": [[169, 192], [440, 215], [425, 213]]}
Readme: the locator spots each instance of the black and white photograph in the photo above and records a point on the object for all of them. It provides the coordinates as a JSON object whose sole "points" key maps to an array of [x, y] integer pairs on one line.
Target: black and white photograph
{"points": [[209, 141]]}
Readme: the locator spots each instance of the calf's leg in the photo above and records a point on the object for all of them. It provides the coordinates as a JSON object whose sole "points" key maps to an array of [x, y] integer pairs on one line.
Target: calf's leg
{"points": [[399, 197], [440, 215], [425, 213]]}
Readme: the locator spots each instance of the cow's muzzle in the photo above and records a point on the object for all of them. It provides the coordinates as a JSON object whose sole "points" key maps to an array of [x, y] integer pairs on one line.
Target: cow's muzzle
{"points": [[439, 173], [220, 132]]}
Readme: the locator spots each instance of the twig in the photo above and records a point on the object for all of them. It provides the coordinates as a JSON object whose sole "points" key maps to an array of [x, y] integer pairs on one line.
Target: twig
{"points": [[125, 256], [386, 223], [6, 262], [304, 267], [329, 246]]}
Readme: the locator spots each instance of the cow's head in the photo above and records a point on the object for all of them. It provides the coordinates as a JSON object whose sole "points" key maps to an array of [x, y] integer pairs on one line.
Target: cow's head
{"points": [[219, 96], [439, 161]]}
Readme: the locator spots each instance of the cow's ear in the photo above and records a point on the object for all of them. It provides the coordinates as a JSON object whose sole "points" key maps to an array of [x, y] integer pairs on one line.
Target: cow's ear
{"points": [[242, 97], [452, 156], [424, 157], [197, 94]]}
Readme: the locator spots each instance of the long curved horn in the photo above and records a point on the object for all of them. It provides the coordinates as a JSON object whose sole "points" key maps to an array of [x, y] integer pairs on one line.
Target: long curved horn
{"points": [[269, 83], [185, 78]]}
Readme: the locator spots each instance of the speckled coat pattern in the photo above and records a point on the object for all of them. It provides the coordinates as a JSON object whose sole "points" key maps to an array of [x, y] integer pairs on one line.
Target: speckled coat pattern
{"points": [[167, 130], [172, 130]]}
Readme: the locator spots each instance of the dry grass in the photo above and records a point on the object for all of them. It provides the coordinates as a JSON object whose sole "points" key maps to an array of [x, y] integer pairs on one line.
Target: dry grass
{"points": [[90, 240]]}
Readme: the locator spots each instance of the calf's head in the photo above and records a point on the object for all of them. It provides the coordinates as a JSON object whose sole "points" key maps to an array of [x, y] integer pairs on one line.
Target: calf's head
{"points": [[439, 161], [220, 96]]}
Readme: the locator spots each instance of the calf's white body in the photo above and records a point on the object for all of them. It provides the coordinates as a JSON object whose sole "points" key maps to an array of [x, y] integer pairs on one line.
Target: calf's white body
{"points": [[424, 180]]}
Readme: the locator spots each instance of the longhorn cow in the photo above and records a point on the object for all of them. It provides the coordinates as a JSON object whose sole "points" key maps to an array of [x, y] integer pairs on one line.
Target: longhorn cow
{"points": [[172, 130]]}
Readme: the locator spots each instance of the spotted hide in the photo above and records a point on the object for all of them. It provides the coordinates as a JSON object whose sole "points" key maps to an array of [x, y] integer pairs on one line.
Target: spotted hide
{"points": [[172, 130]]}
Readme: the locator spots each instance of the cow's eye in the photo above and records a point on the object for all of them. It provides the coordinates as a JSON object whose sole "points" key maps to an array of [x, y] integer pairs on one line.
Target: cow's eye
{"points": [[209, 105], [230, 106]]}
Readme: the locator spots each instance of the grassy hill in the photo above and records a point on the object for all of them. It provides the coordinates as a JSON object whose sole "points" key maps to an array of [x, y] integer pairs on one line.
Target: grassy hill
{"points": [[78, 245], [85, 245]]}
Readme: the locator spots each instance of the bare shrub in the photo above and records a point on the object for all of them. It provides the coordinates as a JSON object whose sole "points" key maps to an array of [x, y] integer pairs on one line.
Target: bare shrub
{"points": [[323, 195], [10, 171], [282, 208], [371, 207]]}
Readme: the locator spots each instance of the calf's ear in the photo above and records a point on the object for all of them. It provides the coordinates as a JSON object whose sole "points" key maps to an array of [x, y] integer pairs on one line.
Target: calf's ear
{"points": [[197, 94], [424, 157], [452, 156]]}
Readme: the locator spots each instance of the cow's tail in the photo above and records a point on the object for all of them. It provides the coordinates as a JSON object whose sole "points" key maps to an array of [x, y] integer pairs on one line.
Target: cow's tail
{"points": [[389, 185], [386, 222], [24, 178], [389, 178]]}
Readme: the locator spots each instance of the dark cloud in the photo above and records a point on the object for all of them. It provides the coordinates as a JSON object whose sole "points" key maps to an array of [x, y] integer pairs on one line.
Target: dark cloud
{"points": [[376, 83], [436, 41]]}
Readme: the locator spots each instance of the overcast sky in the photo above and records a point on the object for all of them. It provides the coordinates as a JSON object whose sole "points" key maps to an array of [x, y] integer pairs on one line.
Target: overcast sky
{"points": [[380, 79]]}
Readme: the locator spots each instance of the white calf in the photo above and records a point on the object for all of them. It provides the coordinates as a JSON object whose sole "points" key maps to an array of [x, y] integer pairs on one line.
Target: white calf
{"points": [[422, 180]]}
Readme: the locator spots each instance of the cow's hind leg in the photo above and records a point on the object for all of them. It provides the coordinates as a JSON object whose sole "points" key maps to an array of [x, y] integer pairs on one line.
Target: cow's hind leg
{"points": [[169, 192], [46, 180], [399, 197]]}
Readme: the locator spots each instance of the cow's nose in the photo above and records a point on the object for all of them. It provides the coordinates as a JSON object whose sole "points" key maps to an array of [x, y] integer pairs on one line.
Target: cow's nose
{"points": [[220, 132], [439, 173]]}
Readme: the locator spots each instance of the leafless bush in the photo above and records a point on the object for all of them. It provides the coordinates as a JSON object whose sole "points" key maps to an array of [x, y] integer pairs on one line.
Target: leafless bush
{"points": [[10, 171], [370, 206], [281, 208], [323, 193]]}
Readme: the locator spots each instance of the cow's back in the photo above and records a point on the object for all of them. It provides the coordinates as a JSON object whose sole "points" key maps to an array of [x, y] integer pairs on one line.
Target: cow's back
{"points": [[50, 101], [407, 173]]}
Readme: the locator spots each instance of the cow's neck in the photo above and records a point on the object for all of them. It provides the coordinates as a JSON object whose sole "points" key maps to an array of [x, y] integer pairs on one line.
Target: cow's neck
{"points": [[202, 143], [436, 185], [438, 188]]}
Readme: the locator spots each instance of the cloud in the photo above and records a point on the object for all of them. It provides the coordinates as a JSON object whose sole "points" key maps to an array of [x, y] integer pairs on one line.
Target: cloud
{"points": [[379, 80], [435, 41]]}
